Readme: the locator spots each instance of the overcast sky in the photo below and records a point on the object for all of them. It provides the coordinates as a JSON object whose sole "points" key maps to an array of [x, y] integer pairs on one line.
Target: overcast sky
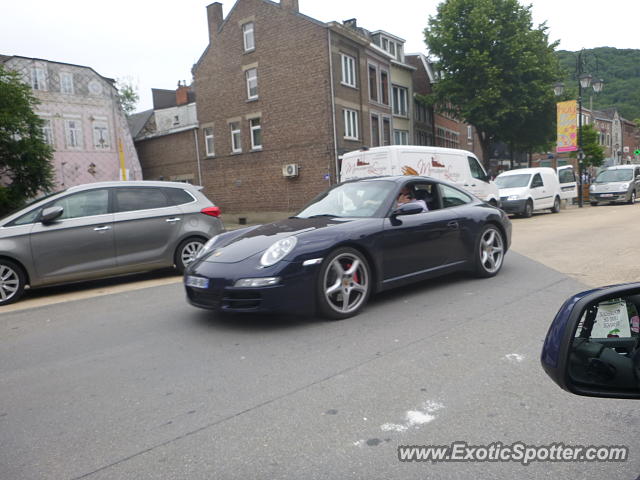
{"points": [[155, 42]]}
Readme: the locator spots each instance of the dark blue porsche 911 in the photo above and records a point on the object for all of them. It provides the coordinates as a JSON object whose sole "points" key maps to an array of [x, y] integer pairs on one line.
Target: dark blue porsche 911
{"points": [[349, 242]]}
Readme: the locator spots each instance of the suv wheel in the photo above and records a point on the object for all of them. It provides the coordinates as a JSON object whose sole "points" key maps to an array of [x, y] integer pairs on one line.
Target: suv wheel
{"points": [[187, 252], [12, 282]]}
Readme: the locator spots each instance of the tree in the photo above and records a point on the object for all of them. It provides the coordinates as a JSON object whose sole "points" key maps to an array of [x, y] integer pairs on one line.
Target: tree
{"points": [[127, 95], [496, 70], [25, 157], [593, 151]]}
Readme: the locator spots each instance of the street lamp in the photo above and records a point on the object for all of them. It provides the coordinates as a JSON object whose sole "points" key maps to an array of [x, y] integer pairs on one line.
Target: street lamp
{"points": [[585, 81]]}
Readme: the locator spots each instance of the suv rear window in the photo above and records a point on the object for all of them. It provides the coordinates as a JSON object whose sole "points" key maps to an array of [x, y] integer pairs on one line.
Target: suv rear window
{"points": [[177, 196], [141, 198]]}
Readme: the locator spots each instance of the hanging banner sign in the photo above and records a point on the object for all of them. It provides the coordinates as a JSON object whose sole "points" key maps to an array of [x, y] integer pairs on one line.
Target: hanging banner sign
{"points": [[567, 126]]}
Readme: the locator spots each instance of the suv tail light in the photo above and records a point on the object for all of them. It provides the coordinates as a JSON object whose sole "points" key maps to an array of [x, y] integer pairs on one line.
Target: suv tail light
{"points": [[211, 211]]}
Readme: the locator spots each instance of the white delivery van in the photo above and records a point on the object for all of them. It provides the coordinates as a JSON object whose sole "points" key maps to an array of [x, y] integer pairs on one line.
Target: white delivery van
{"points": [[459, 167], [568, 183], [526, 190]]}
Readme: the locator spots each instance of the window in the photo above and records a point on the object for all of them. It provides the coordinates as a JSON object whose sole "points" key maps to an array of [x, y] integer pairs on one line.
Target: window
{"points": [[47, 131], [386, 131], [373, 83], [452, 197], [401, 137], [248, 37], [100, 135], [236, 145], [400, 95], [351, 124], [384, 87], [566, 175], [38, 78], [73, 133], [208, 141], [476, 170], [375, 131], [142, 198], [84, 204], [177, 196], [256, 133], [469, 132], [66, 82], [537, 181], [252, 83], [348, 70]]}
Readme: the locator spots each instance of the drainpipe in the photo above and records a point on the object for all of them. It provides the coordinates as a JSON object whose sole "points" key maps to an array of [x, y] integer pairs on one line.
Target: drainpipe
{"points": [[195, 138], [333, 108]]}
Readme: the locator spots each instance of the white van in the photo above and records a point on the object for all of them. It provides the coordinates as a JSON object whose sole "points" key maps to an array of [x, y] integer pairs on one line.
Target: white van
{"points": [[526, 190], [568, 183], [459, 167]]}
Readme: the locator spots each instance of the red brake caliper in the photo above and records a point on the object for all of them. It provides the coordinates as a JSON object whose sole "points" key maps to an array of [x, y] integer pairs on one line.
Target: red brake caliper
{"points": [[355, 274]]}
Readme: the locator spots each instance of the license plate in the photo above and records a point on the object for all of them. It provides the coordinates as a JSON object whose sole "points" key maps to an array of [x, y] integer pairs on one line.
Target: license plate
{"points": [[197, 282], [607, 195]]}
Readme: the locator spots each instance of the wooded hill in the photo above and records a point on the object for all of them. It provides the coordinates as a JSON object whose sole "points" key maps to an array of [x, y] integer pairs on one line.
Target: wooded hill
{"points": [[620, 70]]}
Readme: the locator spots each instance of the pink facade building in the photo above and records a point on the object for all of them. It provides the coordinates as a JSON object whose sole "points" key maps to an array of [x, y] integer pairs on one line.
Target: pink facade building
{"points": [[83, 121]]}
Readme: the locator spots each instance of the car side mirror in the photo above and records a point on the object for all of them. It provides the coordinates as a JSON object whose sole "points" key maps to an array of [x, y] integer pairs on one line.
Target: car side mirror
{"points": [[407, 209], [593, 345], [50, 214]]}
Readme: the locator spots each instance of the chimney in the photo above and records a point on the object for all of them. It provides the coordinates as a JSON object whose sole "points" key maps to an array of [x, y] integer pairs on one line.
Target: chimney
{"points": [[289, 5], [351, 23], [182, 94], [214, 16]]}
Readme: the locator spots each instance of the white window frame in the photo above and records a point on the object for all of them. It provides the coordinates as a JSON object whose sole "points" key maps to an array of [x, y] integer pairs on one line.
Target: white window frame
{"points": [[66, 83], [209, 144], [400, 99], [251, 76], [351, 124], [73, 133], [400, 137], [100, 128], [248, 37], [255, 128], [236, 134], [47, 131], [348, 70], [39, 78]]}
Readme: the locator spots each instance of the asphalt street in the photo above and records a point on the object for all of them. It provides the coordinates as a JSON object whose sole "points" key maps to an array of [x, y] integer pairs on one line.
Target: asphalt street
{"points": [[141, 385]]}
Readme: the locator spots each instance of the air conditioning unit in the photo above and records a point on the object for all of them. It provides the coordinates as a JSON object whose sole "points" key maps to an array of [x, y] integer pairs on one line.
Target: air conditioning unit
{"points": [[290, 170]]}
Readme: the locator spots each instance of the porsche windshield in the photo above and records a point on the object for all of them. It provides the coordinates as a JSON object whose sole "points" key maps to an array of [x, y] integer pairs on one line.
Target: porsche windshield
{"points": [[513, 181], [618, 175], [357, 199]]}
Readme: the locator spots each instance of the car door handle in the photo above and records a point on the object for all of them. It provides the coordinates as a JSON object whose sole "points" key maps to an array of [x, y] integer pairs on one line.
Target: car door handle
{"points": [[100, 229], [467, 185], [453, 224], [172, 220]]}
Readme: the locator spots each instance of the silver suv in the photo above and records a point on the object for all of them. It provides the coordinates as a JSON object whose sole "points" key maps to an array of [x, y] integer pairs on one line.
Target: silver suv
{"points": [[616, 184], [103, 229]]}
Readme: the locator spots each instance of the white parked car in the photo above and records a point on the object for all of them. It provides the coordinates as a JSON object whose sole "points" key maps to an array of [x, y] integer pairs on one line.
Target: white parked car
{"points": [[526, 190]]}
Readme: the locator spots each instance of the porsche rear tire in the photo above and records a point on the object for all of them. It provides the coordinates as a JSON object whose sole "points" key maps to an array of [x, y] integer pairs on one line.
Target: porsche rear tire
{"points": [[344, 284]]}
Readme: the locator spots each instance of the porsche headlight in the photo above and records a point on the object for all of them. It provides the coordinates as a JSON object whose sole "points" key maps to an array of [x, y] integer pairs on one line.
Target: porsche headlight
{"points": [[278, 251], [207, 247]]}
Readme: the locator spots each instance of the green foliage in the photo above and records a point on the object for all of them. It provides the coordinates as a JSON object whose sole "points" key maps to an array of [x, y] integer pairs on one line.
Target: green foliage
{"points": [[127, 95], [593, 152], [496, 69], [25, 158], [620, 70]]}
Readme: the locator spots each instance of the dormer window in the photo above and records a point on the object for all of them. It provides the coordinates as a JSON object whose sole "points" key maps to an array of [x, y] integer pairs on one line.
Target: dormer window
{"points": [[248, 37]]}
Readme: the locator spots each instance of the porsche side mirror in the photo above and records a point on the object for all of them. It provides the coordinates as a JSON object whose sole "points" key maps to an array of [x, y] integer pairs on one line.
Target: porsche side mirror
{"points": [[50, 214], [593, 345], [407, 209]]}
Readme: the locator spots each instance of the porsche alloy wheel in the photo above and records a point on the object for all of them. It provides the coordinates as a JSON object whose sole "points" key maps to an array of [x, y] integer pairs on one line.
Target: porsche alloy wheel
{"points": [[489, 252], [344, 284]]}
